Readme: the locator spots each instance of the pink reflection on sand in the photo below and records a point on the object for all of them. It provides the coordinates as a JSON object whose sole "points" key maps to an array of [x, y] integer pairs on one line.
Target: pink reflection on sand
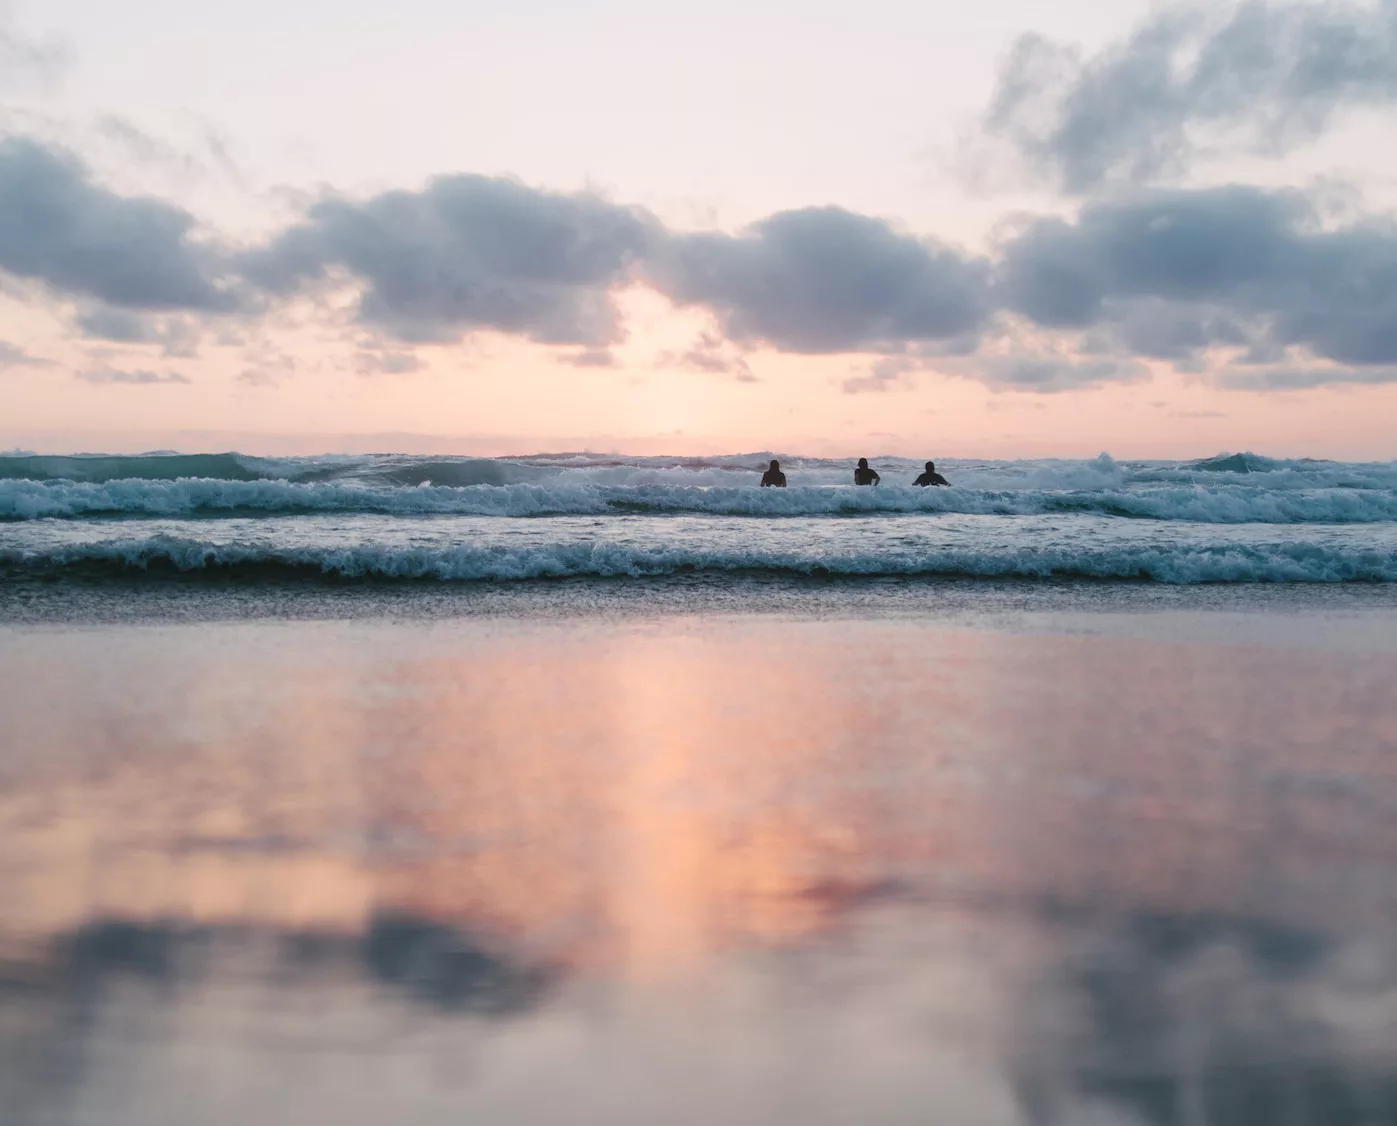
{"points": [[649, 796]]}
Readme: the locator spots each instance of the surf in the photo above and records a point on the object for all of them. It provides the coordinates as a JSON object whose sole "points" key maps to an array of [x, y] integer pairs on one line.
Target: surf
{"points": [[1222, 503], [165, 555]]}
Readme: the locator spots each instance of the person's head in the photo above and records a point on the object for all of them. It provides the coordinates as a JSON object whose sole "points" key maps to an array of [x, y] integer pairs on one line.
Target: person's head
{"points": [[931, 467], [863, 463], [774, 466]]}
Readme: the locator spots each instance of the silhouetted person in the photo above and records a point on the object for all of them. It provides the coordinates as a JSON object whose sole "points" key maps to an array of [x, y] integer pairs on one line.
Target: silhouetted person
{"points": [[865, 476], [930, 477], [773, 478]]}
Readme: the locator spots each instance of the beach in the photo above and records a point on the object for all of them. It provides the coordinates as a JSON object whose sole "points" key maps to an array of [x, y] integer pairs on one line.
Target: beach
{"points": [[737, 564], [692, 852]]}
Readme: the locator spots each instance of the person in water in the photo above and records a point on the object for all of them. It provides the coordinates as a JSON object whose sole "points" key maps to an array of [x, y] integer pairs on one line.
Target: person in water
{"points": [[930, 477], [865, 476], [773, 478]]}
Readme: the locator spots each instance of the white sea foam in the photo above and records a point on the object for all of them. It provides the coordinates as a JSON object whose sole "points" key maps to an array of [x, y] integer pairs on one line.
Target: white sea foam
{"points": [[1217, 503], [1190, 563], [1240, 518]]}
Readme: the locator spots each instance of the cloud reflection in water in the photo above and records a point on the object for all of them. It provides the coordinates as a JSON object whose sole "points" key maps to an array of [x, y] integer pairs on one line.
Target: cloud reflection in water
{"points": [[734, 873]]}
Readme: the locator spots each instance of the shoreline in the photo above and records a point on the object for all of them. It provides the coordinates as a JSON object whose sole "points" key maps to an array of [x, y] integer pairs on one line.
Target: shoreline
{"points": [[1349, 616]]}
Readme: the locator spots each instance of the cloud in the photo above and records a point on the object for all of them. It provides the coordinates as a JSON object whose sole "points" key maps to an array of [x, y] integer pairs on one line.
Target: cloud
{"points": [[1268, 76], [60, 228], [13, 356], [267, 366], [589, 358], [468, 253], [27, 60], [1261, 280], [373, 362], [113, 375], [709, 353], [120, 325], [1272, 1013], [258, 377], [1015, 361], [1303, 378], [825, 280], [883, 375], [140, 146], [1179, 332], [177, 337], [1218, 266], [1048, 373], [1169, 245]]}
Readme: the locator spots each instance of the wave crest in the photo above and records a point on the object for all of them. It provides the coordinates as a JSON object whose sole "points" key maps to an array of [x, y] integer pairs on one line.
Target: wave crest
{"points": [[558, 496], [1220, 563]]}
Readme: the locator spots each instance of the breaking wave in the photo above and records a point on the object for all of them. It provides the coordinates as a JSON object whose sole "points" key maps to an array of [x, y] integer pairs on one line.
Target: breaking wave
{"points": [[1211, 563], [1222, 503], [1235, 518], [148, 467]]}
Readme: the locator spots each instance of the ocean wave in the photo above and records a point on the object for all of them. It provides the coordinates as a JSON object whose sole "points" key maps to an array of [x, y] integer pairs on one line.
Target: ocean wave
{"points": [[1236, 463], [1208, 504], [147, 467], [1211, 563], [408, 471]]}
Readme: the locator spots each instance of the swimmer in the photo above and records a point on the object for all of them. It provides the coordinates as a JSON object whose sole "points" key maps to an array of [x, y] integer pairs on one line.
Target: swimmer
{"points": [[930, 477]]}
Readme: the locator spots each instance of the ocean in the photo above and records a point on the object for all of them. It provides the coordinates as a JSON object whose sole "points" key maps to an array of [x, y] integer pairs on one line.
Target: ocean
{"points": [[1238, 518], [618, 791]]}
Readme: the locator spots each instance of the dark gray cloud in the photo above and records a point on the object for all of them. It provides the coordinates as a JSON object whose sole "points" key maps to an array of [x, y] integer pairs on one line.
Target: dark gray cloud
{"points": [[60, 228], [119, 325], [1169, 273], [468, 253], [1174, 246], [1183, 276], [1267, 76], [177, 336], [1180, 332], [116, 375], [825, 280], [471, 252]]}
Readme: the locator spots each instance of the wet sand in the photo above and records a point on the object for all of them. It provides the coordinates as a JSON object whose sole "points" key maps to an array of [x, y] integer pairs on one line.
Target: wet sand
{"points": [[1030, 867]]}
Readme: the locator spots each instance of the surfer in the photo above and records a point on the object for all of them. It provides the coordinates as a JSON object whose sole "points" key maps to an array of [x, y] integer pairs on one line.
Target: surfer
{"points": [[773, 478], [865, 476], [930, 477]]}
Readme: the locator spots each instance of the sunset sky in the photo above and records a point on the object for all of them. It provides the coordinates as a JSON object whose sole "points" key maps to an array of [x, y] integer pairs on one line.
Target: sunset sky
{"points": [[993, 229]]}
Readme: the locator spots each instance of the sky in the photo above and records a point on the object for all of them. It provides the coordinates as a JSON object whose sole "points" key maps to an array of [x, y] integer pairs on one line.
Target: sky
{"points": [[887, 227]]}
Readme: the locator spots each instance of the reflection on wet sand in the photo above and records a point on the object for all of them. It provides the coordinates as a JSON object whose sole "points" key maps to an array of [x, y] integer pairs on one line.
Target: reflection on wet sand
{"points": [[746, 871]]}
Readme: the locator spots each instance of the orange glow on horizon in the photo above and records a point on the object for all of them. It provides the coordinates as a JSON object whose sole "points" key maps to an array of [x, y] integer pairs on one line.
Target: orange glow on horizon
{"points": [[298, 391]]}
